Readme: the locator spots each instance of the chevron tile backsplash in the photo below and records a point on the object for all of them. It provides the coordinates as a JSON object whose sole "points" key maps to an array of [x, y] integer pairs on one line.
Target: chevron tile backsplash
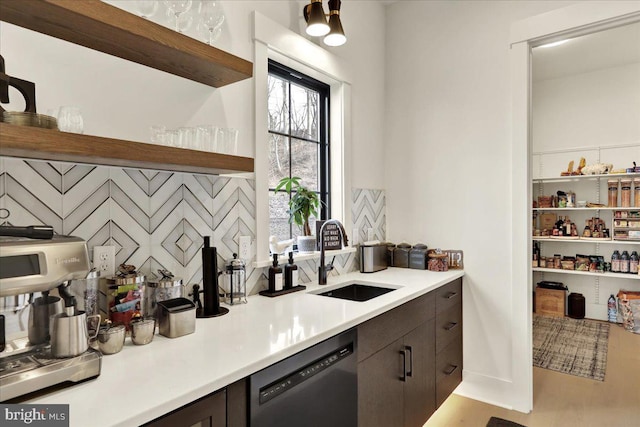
{"points": [[368, 212], [155, 219]]}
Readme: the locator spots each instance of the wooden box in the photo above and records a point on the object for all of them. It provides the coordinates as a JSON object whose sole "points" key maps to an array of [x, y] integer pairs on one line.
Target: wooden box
{"points": [[550, 302], [547, 221]]}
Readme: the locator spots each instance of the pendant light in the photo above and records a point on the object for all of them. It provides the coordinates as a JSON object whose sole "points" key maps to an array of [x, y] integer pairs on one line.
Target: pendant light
{"points": [[336, 35], [317, 22]]}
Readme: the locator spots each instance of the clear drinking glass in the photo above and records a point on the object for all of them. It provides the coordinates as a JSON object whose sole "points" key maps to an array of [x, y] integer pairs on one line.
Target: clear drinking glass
{"points": [[70, 119], [177, 8], [210, 20], [203, 138], [158, 134], [186, 136], [147, 8], [171, 138]]}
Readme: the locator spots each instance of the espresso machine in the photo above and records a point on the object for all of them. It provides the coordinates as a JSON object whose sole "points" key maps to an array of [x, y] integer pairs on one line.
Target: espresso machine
{"points": [[43, 337]]}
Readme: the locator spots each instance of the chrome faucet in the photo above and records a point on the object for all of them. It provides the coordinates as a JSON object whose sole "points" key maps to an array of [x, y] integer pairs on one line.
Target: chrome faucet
{"points": [[322, 268]]}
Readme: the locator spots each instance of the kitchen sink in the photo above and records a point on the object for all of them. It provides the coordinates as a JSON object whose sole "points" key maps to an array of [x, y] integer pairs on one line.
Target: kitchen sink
{"points": [[356, 292]]}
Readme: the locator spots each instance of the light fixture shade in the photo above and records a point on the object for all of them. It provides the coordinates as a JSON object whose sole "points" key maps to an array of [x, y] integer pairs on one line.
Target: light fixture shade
{"points": [[336, 35], [316, 21]]}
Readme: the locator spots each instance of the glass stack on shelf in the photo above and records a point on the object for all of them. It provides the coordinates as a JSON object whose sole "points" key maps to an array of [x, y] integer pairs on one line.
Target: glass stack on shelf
{"points": [[565, 218]]}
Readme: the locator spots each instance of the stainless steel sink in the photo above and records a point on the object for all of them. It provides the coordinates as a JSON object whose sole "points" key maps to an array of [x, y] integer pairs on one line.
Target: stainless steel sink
{"points": [[356, 292]]}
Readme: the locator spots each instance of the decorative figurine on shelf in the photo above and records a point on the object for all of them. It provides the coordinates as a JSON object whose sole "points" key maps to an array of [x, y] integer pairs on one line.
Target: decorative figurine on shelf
{"points": [[279, 247], [571, 172]]}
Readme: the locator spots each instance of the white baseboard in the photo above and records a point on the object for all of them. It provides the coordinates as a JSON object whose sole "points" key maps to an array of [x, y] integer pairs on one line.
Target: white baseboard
{"points": [[491, 390]]}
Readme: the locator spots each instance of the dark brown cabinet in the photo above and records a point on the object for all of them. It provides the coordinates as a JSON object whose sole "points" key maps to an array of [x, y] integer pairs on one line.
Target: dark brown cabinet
{"points": [[448, 339], [226, 407], [410, 359], [419, 402], [208, 411]]}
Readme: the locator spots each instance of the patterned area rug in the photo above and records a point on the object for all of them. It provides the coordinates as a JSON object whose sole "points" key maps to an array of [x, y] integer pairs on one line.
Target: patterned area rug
{"points": [[571, 346]]}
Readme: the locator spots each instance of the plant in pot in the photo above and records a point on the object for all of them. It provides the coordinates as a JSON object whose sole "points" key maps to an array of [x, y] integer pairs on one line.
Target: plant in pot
{"points": [[302, 204]]}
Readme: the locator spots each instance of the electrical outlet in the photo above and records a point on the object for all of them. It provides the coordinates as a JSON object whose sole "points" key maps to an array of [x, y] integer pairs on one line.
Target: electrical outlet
{"points": [[244, 251], [370, 234], [355, 236], [104, 260]]}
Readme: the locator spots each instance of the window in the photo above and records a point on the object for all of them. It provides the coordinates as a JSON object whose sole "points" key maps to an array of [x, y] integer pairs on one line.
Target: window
{"points": [[298, 112]]}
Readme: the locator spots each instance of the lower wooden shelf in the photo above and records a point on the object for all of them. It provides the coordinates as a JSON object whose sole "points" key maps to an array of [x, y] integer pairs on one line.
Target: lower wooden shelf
{"points": [[53, 145]]}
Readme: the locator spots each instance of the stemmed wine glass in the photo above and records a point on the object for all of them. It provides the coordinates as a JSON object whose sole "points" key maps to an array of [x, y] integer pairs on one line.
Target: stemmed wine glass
{"points": [[178, 7], [211, 19], [147, 8]]}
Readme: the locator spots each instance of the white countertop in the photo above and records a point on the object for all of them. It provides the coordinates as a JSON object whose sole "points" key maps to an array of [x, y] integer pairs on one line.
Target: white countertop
{"points": [[142, 383]]}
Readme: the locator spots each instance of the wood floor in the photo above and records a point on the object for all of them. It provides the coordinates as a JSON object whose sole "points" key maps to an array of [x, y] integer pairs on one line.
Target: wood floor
{"points": [[561, 400]]}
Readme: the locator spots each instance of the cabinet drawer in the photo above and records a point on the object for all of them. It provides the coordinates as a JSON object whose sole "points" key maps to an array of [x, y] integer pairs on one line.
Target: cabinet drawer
{"points": [[448, 295], [448, 370], [448, 326], [379, 332]]}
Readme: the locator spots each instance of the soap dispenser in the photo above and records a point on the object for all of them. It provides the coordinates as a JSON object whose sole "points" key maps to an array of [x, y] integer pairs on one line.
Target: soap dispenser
{"points": [[275, 275], [290, 273]]}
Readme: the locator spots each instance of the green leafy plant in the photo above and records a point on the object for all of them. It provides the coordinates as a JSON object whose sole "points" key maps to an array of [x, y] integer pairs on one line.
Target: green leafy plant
{"points": [[302, 204]]}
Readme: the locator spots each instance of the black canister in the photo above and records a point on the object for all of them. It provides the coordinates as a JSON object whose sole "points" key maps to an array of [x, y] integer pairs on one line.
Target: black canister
{"points": [[418, 257], [391, 247], [576, 306], [401, 255]]}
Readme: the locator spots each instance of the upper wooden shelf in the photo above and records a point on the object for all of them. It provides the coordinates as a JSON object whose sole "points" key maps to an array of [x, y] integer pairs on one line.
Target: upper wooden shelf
{"points": [[100, 26], [48, 144]]}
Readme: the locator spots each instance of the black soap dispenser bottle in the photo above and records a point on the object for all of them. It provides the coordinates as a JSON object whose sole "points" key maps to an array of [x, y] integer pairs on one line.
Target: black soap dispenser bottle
{"points": [[290, 273], [275, 276]]}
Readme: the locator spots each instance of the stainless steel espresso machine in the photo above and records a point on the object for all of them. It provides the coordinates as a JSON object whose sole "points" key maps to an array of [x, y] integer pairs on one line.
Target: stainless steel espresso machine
{"points": [[43, 337]]}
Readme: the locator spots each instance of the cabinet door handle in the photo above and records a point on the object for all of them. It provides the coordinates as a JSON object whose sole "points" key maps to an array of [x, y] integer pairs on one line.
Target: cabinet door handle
{"points": [[450, 295], [450, 326], [451, 370], [410, 371], [403, 377]]}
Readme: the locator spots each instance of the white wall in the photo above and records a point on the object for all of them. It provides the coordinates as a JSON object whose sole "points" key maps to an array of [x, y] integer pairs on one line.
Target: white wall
{"points": [[596, 109], [448, 157], [121, 99]]}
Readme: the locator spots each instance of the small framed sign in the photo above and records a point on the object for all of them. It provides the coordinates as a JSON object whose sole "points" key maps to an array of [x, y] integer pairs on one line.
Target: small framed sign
{"points": [[332, 238], [455, 259]]}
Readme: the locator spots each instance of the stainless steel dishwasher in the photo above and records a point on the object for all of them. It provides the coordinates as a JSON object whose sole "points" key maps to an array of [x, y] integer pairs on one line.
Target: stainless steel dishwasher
{"points": [[316, 387]]}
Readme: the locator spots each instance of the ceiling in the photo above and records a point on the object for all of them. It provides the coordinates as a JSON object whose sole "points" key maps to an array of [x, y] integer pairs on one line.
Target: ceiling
{"points": [[610, 48]]}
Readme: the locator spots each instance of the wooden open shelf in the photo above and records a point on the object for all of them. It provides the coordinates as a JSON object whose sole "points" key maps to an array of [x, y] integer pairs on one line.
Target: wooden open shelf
{"points": [[100, 26], [48, 144]]}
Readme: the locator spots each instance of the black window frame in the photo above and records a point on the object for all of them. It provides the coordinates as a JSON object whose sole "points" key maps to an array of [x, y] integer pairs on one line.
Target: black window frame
{"points": [[324, 162]]}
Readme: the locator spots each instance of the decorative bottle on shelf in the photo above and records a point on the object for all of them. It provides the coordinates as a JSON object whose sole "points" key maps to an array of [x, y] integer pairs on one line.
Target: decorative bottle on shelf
{"points": [[290, 273], [275, 275], [633, 263], [567, 227], [615, 262], [611, 309], [624, 262], [536, 255]]}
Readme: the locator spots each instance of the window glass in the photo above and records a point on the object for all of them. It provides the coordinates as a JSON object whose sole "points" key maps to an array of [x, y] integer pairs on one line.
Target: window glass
{"points": [[298, 143]]}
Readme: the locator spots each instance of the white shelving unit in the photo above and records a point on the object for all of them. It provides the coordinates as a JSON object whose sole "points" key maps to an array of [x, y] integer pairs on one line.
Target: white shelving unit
{"points": [[593, 189]]}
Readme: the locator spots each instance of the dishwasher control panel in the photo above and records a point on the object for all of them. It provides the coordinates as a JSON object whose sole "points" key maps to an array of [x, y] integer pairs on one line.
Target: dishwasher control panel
{"points": [[287, 382]]}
